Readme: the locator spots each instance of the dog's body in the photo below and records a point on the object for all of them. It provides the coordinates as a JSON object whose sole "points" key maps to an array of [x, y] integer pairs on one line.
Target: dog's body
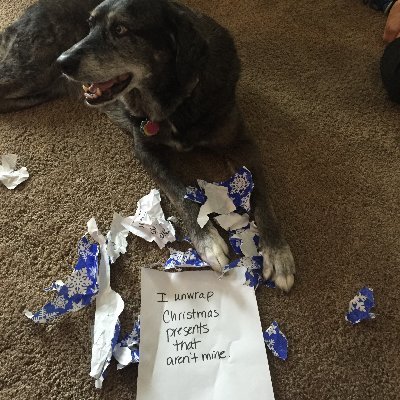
{"points": [[146, 60]]}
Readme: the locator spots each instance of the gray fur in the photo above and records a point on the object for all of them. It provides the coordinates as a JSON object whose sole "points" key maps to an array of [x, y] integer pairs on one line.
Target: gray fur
{"points": [[184, 70]]}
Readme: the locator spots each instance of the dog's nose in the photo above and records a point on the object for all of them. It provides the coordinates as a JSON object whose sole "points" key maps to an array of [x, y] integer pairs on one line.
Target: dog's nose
{"points": [[69, 64]]}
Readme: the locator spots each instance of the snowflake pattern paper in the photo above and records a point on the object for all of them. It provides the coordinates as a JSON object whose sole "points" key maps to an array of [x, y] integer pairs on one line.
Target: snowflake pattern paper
{"points": [[79, 288], [276, 341], [239, 187], [127, 350], [253, 275], [189, 258], [360, 306]]}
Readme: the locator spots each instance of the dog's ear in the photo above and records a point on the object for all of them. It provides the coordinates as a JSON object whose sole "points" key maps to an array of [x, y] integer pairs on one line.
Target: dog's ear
{"points": [[191, 48]]}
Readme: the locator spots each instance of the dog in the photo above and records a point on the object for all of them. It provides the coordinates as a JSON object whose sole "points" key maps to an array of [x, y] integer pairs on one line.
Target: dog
{"points": [[162, 72]]}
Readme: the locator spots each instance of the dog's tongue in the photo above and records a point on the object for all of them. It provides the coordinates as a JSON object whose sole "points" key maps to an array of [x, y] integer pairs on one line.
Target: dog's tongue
{"points": [[103, 86]]}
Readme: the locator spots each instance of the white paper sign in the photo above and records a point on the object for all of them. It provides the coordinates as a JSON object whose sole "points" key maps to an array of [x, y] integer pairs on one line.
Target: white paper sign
{"points": [[201, 338]]}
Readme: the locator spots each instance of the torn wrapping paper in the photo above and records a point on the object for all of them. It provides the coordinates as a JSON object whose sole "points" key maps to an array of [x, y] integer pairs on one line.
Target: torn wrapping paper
{"points": [[179, 259], [9, 176], [114, 342], [127, 350], [245, 241], [116, 238], [192, 346], [149, 221], [217, 202], [243, 234], [253, 276], [233, 221], [276, 341], [239, 186], [109, 306], [360, 306], [79, 289]]}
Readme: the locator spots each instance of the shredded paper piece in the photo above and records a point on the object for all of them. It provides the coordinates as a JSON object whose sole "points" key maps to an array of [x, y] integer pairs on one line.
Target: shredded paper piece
{"points": [[360, 306], [239, 188], [109, 306], [179, 259], [149, 221], [192, 345], [9, 176], [243, 233], [127, 350], [276, 341], [217, 202], [79, 289], [233, 221], [116, 238]]}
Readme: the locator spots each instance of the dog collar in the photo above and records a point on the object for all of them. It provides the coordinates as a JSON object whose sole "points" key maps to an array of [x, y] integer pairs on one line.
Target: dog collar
{"points": [[149, 128]]}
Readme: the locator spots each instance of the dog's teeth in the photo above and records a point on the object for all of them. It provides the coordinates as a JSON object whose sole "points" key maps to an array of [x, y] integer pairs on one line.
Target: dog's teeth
{"points": [[98, 92], [85, 88], [91, 96]]}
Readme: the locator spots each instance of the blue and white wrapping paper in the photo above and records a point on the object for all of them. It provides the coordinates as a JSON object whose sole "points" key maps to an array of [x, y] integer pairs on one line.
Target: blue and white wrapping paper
{"points": [[79, 288], [239, 187], [244, 240], [189, 258], [253, 274], [117, 330], [276, 341], [127, 350], [360, 306], [109, 306]]}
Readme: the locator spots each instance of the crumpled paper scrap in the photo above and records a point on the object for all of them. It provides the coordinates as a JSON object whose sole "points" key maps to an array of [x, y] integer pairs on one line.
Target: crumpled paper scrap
{"points": [[9, 176], [245, 241], [253, 274], [189, 258], [149, 221], [116, 238], [218, 201], [109, 306], [233, 221], [360, 306], [79, 288], [276, 341], [243, 233], [127, 350], [239, 186]]}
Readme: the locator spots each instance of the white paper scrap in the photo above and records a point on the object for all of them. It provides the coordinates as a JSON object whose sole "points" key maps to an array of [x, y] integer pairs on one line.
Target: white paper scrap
{"points": [[201, 338], [232, 221], [248, 246], [8, 175], [116, 238], [109, 306], [149, 221], [218, 201]]}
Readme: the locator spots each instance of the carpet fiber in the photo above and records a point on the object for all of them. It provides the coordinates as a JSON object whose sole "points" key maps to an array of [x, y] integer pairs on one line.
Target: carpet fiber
{"points": [[311, 94]]}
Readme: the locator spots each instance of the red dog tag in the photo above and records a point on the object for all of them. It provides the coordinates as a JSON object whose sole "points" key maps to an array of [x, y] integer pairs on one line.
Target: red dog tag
{"points": [[149, 128]]}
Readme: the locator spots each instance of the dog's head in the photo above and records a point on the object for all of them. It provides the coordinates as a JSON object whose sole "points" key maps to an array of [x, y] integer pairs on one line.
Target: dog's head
{"points": [[134, 45]]}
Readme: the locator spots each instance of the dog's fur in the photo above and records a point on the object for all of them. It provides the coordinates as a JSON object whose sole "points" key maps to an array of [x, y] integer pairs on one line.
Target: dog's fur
{"points": [[184, 70]]}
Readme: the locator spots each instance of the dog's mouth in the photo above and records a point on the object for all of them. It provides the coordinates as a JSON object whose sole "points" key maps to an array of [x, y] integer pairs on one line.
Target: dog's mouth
{"points": [[101, 92]]}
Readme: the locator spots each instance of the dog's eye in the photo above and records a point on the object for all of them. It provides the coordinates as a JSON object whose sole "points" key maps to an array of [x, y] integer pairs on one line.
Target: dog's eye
{"points": [[120, 30]]}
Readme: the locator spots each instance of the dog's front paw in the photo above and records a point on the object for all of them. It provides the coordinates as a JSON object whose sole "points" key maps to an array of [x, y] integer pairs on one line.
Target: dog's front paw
{"points": [[211, 247], [279, 266]]}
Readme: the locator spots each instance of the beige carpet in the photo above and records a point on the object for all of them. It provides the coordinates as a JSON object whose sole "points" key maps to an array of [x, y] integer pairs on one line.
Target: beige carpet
{"points": [[311, 93]]}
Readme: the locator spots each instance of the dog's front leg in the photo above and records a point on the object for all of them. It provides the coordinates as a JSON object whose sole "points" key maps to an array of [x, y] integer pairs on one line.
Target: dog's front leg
{"points": [[278, 260], [207, 241]]}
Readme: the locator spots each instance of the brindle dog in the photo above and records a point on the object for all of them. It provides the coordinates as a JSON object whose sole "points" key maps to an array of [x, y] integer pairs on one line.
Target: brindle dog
{"points": [[147, 60]]}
